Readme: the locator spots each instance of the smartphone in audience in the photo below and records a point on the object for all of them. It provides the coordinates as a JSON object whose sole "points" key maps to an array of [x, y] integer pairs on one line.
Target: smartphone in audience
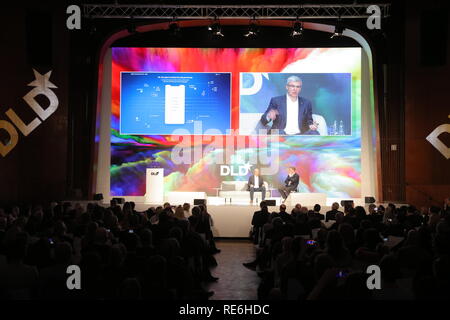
{"points": [[342, 274]]}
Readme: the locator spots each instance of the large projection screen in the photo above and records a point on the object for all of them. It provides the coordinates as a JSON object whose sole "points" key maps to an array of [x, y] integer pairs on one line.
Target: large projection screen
{"points": [[196, 113]]}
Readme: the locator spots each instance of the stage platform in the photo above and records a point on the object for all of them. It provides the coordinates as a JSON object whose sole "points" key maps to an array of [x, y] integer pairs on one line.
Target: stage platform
{"points": [[231, 220]]}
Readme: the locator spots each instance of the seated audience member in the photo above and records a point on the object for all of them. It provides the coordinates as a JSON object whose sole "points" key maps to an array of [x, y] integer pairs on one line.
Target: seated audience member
{"points": [[339, 220], [53, 278], [331, 215], [434, 217], [259, 219], [187, 208], [322, 235], [368, 252], [317, 213], [336, 249], [18, 280], [415, 251], [282, 259], [348, 236], [297, 276], [130, 289], [360, 214], [301, 226], [313, 220], [441, 267], [446, 206], [355, 287], [296, 210], [391, 273], [286, 217]]}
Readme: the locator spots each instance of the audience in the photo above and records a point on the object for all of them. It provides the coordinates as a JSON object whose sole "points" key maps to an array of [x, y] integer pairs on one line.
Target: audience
{"points": [[166, 252], [303, 257], [158, 254]]}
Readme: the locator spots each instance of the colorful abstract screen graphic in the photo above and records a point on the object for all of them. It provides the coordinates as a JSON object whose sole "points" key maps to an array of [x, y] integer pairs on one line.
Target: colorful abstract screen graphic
{"points": [[141, 132]]}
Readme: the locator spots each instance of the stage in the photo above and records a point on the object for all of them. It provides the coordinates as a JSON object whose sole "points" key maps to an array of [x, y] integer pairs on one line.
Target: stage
{"points": [[231, 220]]}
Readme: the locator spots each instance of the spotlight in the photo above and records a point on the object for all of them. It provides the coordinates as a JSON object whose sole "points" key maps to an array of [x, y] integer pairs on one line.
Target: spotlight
{"points": [[338, 30], [216, 29], [174, 29], [297, 30], [252, 31]]}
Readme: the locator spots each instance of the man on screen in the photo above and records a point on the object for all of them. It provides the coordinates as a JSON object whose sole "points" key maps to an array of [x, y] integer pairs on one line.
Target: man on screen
{"points": [[290, 113], [290, 184], [256, 183]]}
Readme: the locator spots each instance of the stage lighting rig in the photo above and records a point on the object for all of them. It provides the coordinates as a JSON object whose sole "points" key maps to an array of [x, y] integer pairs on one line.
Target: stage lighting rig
{"points": [[216, 29], [297, 29], [252, 31], [338, 30]]}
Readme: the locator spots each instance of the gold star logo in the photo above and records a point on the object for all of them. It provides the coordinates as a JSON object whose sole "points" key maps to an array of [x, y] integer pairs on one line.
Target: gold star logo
{"points": [[42, 81]]}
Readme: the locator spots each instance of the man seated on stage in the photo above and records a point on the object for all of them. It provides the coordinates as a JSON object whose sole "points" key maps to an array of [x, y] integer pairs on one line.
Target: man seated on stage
{"points": [[256, 183], [290, 184]]}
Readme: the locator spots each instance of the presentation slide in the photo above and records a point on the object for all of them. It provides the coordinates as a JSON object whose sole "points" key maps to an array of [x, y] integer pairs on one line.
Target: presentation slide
{"points": [[323, 99], [313, 124], [159, 103]]}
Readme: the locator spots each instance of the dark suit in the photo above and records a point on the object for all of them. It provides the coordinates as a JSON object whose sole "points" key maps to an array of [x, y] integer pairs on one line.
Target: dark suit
{"points": [[280, 104], [290, 184], [258, 221], [260, 187], [331, 215]]}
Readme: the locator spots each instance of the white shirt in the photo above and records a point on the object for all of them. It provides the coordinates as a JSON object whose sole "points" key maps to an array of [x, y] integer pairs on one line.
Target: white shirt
{"points": [[291, 116], [256, 178], [290, 176]]}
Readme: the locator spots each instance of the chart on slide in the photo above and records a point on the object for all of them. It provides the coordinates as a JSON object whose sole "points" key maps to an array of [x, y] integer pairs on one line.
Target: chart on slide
{"points": [[153, 103]]}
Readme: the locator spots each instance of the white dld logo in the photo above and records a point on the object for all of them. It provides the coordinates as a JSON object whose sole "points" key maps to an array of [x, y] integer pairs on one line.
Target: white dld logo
{"points": [[433, 138], [231, 170], [41, 86]]}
